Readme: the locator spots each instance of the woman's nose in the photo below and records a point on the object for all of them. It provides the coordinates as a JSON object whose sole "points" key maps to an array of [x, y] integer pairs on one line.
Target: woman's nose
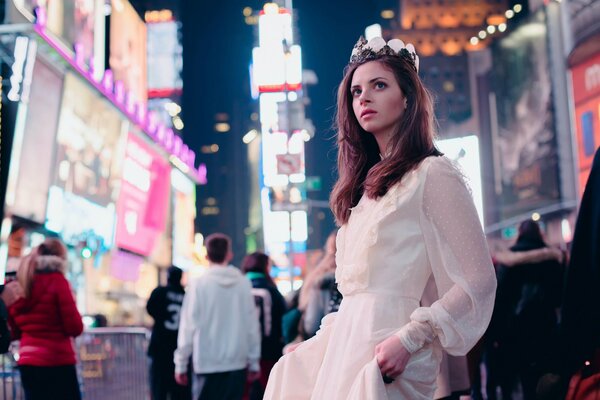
{"points": [[364, 98]]}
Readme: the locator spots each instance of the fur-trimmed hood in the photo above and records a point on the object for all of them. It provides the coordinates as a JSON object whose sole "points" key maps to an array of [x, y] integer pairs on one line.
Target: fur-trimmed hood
{"points": [[50, 264]]}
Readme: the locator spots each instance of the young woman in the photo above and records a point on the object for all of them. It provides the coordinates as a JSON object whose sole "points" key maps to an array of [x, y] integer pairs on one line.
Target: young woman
{"points": [[45, 321], [404, 214]]}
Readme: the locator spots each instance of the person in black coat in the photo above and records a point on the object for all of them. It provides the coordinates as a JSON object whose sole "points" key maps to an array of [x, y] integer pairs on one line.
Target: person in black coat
{"points": [[164, 306], [271, 307], [580, 318], [523, 331]]}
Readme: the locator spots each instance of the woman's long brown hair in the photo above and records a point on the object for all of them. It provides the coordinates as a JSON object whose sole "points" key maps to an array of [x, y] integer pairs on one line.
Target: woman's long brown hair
{"points": [[360, 167]]}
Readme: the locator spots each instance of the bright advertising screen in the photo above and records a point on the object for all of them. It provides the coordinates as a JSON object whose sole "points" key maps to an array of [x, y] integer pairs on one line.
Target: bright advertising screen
{"points": [[184, 213], [464, 151], [127, 48], [29, 176], [143, 200], [75, 22], [165, 60], [84, 182]]}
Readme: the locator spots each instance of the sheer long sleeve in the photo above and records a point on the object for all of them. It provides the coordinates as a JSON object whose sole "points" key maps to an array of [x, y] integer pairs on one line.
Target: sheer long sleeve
{"points": [[461, 265]]}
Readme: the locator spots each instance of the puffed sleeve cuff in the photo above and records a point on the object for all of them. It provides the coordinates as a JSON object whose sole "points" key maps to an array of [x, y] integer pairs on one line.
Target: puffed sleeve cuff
{"points": [[415, 335]]}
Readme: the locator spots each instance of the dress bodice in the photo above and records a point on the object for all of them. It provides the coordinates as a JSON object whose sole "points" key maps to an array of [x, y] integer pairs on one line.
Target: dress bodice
{"points": [[381, 248]]}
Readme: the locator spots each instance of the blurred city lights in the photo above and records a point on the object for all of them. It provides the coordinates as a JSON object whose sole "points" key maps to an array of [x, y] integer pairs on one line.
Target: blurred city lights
{"points": [[222, 127], [213, 148], [509, 14], [178, 123], [388, 14], [482, 34], [271, 9], [518, 8], [305, 135], [172, 108], [491, 29], [474, 41], [502, 27], [536, 216], [250, 136], [247, 11]]}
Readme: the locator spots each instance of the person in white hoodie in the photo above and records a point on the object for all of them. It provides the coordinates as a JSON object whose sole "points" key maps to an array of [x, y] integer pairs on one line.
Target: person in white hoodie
{"points": [[218, 328]]}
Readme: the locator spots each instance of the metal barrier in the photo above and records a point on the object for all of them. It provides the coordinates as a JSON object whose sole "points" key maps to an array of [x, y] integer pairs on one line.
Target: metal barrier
{"points": [[10, 380], [112, 365]]}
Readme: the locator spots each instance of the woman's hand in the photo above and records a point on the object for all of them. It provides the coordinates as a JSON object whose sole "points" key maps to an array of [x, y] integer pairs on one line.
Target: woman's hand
{"points": [[392, 357]]}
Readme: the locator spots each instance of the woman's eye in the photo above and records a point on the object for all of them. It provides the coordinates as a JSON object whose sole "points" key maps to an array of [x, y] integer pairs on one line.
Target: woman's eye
{"points": [[380, 85], [356, 92]]}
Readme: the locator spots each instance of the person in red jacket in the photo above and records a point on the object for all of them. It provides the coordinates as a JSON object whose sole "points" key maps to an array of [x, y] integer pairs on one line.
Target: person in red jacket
{"points": [[45, 320]]}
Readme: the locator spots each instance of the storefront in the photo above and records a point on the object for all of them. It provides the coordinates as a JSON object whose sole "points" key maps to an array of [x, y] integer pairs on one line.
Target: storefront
{"points": [[90, 165]]}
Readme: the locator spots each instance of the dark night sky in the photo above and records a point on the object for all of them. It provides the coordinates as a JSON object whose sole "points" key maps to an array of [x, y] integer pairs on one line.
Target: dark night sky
{"points": [[218, 45], [217, 51]]}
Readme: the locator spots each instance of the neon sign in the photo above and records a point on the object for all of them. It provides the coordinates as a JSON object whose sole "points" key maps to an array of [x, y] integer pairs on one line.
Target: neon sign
{"points": [[122, 99]]}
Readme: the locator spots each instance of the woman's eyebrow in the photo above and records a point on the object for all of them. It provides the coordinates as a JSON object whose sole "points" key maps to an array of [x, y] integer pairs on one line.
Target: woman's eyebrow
{"points": [[371, 81]]}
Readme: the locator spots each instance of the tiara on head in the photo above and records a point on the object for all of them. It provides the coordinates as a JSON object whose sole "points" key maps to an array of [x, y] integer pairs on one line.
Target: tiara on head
{"points": [[377, 47]]}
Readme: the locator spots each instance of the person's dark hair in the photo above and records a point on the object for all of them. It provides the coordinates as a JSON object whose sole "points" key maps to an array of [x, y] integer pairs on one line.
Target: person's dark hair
{"points": [[174, 275], [360, 167], [217, 247], [257, 262], [530, 232], [52, 247]]}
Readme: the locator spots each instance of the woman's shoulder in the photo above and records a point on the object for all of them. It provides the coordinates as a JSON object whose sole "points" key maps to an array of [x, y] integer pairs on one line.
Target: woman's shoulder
{"points": [[439, 164], [440, 171]]}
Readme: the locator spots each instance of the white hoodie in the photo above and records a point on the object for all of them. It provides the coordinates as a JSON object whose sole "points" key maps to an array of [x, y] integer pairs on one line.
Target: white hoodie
{"points": [[219, 325]]}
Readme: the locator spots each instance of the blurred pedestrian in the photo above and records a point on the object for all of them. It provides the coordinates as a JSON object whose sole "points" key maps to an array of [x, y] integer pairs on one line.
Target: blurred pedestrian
{"points": [[45, 320], [164, 306], [405, 214], [270, 305], [524, 325], [580, 322], [319, 294], [218, 329], [9, 294]]}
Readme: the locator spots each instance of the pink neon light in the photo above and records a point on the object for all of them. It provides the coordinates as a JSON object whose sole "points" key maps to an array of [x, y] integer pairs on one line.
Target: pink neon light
{"points": [[41, 16], [115, 93], [120, 93]]}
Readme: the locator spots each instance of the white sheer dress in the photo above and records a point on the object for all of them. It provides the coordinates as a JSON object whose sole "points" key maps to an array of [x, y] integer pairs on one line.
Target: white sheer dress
{"points": [[427, 224]]}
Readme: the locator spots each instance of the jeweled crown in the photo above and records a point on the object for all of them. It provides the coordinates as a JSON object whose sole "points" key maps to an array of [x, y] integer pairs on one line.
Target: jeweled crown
{"points": [[377, 47]]}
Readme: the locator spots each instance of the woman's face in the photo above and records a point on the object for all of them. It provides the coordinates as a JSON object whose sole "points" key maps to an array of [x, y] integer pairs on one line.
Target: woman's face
{"points": [[377, 100]]}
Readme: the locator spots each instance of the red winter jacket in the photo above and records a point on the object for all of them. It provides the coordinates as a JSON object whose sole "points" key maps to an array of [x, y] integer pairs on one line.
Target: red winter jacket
{"points": [[47, 320]]}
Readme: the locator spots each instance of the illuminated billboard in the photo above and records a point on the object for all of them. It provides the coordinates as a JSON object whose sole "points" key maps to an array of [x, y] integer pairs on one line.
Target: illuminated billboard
{"points": [[526, 139], [165, 61], [30, 168], [586, 93], [143, 199], [465, 152], [89, 131], [85, 183], [75, 22], [184, 213], [127, 49]]}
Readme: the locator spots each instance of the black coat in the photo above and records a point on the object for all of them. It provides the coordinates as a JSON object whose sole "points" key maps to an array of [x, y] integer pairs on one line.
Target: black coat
{"points": [[269, 301], [580, 322], [164, 305], [528, 295]]}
